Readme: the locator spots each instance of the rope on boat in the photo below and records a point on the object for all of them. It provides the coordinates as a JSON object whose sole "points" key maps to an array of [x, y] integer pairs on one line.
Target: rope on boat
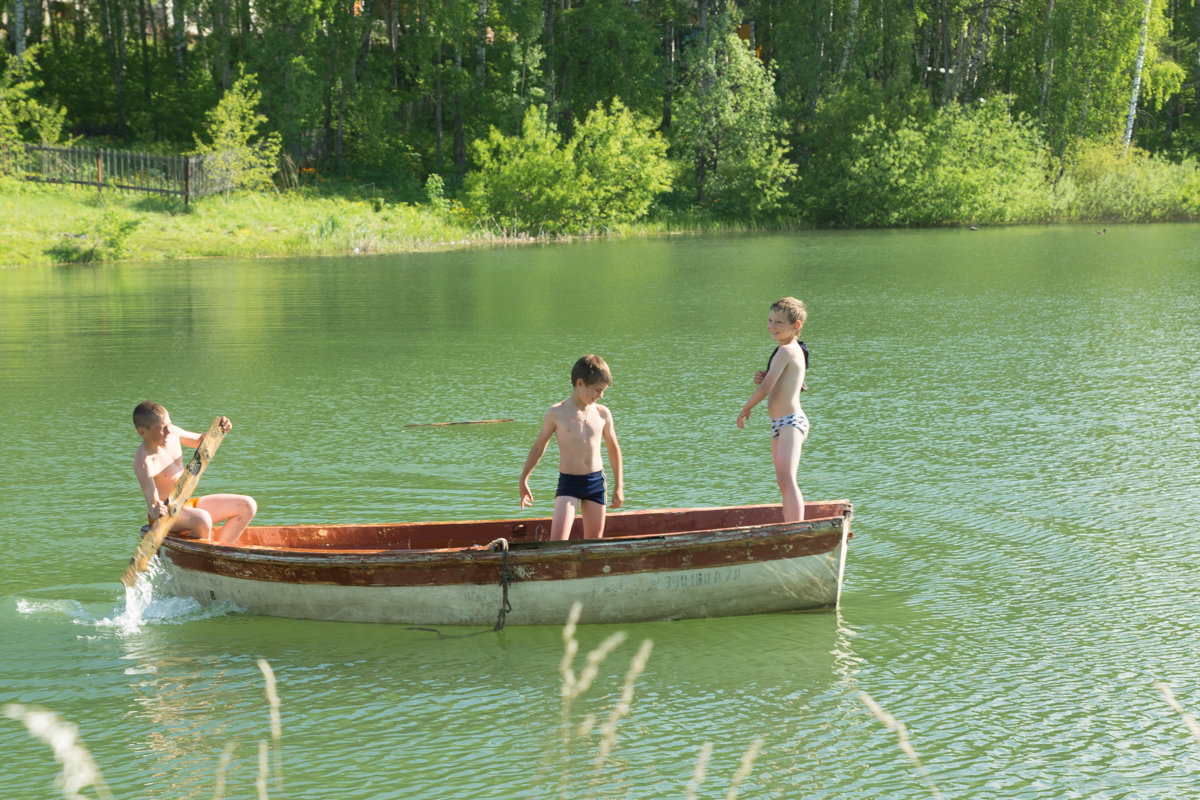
{"points": [[506, 578]]}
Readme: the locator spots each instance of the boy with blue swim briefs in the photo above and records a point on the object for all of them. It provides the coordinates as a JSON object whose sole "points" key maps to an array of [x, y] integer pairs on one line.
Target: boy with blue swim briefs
{"points": [[780, 386], [580, 424]]}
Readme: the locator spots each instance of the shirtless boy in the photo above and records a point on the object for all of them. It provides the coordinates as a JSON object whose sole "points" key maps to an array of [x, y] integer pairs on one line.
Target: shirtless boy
{"points": [[158, 465], [579, 423], [781, 386]]}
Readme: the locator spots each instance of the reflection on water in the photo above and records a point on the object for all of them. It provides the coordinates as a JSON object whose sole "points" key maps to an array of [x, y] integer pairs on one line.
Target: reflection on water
{"points": [[1012, 413]]}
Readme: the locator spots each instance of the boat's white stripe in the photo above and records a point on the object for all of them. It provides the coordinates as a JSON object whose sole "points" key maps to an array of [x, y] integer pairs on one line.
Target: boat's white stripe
{"points": [[811, 581]]}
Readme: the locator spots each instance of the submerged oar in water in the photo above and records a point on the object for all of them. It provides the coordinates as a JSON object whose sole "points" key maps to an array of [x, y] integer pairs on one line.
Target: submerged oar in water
{"points": [[464, 422], [150, 542]]}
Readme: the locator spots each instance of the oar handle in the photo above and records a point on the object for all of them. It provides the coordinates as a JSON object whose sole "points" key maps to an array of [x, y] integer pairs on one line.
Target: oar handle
{"points": [[159, 529]]}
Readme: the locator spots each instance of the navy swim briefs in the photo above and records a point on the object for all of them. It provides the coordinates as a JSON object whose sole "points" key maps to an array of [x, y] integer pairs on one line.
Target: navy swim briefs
{"points": [[585, 487]]}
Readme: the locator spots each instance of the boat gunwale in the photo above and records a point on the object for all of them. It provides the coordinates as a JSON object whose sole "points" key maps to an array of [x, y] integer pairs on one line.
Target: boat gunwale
{"points": [[635, 545]]}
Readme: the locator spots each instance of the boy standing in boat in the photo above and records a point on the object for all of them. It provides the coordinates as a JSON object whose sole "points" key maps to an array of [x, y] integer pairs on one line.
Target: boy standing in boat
{"points": [[158, 465], [579, 423], [781, 385]]}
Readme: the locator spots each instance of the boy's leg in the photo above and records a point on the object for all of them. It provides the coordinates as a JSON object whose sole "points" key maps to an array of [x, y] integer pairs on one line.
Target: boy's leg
{"points": [[195, 521], [236, 510], [564, 517], [785, 451], [593, 519]]}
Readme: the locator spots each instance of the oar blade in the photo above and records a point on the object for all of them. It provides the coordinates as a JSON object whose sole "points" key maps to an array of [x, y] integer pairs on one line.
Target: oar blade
{"points": [[153, 538]]}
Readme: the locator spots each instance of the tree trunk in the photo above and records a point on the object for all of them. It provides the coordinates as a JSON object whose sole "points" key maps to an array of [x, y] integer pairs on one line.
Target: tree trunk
{"points": [[1047, 59], [1137, 76], [18, 27], [669, 88], [222, 22], [145, 54], [851, 33], [481, 44], [35, 20], [437, 109], [970, 85], [548, 26], [179, 20], [460, 144]]}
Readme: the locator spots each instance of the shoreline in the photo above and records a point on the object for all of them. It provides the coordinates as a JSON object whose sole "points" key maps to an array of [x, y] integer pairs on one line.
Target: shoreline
{"points": [[56, 226]]}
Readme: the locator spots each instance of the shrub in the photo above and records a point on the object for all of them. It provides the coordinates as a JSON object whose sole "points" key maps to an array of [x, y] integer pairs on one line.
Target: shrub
{"points": [[957, 165], [607, 174], [237, 155], [1102, 182]]}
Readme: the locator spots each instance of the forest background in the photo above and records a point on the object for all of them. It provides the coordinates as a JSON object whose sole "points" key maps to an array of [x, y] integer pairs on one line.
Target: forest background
{"points": [[392, 124]]}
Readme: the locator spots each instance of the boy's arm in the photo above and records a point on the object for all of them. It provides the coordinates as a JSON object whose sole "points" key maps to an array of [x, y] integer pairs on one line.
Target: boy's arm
{"points": [[535, 455], [189, 439], [614, 458], [778, 365]]}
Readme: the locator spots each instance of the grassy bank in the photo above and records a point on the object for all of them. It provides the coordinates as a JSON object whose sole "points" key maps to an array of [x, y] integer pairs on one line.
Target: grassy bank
{"points": [[42, 224], [53, 224]]}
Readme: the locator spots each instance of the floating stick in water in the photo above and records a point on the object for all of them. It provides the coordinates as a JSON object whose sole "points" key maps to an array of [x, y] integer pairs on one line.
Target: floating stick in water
{"points": [[464, 422]]}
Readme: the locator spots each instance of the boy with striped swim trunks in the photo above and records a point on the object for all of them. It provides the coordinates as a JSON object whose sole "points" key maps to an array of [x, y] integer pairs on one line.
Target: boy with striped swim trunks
{"points": [[580, 424], [780, 386]]}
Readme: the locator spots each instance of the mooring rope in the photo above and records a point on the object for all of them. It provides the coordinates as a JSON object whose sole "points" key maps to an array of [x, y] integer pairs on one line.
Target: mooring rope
{"points": [[506, 578], [507, 575]]}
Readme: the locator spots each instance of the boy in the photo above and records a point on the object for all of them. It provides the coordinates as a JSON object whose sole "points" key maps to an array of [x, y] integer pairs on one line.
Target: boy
{"points": [[158, 465], [781, 386], [579, 423]]}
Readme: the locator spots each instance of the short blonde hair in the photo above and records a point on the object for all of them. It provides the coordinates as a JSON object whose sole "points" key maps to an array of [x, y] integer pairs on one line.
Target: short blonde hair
{"points": [[792, 308]]}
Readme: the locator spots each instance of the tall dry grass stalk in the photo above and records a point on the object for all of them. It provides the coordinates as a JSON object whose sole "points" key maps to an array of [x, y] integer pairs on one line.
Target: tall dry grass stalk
{"points": [[276, 723], [609, 728], [1188, 719], [79, 770], [264, 769], [698, 772], [223, 768], [573, 686], [897, 727], [744, 768]]}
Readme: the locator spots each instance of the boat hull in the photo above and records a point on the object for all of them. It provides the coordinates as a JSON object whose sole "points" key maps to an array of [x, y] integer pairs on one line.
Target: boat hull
{"points": [[384, 574]]}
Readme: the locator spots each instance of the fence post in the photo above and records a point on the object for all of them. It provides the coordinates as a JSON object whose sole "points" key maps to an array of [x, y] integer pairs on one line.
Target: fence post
{"points": [[187, 180], [99, 173]]}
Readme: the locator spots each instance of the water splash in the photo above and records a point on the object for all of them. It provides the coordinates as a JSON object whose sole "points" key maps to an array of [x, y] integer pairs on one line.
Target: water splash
{"points": [[148, 602]]}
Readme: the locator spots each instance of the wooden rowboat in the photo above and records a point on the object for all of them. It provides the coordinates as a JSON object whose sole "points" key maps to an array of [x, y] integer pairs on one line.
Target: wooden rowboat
{"points": [[651, 565]]}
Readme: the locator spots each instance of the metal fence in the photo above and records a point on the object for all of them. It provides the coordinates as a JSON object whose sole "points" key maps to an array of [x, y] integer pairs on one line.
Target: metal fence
{"points": [[178, 176]]}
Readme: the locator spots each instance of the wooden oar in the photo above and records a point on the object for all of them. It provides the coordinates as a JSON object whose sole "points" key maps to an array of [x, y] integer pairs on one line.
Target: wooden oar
{"points": [[464, 422], [150, 543]]}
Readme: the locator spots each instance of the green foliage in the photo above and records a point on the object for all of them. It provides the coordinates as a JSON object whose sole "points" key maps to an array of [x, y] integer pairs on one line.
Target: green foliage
{"points": [[237, 155], [108, 240], [611, 55], [1102, 183], [23, 117], [374, 144], [726, 129], [961, 165], [620, 165], [607, 174], [435, 191]]}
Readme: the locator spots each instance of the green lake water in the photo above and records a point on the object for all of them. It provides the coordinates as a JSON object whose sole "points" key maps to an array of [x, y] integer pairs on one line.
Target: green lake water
{"points": [[1012, 412]]}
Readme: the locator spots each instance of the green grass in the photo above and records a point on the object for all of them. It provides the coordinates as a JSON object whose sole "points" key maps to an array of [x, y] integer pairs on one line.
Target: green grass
{"points": [[54, 224]]}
